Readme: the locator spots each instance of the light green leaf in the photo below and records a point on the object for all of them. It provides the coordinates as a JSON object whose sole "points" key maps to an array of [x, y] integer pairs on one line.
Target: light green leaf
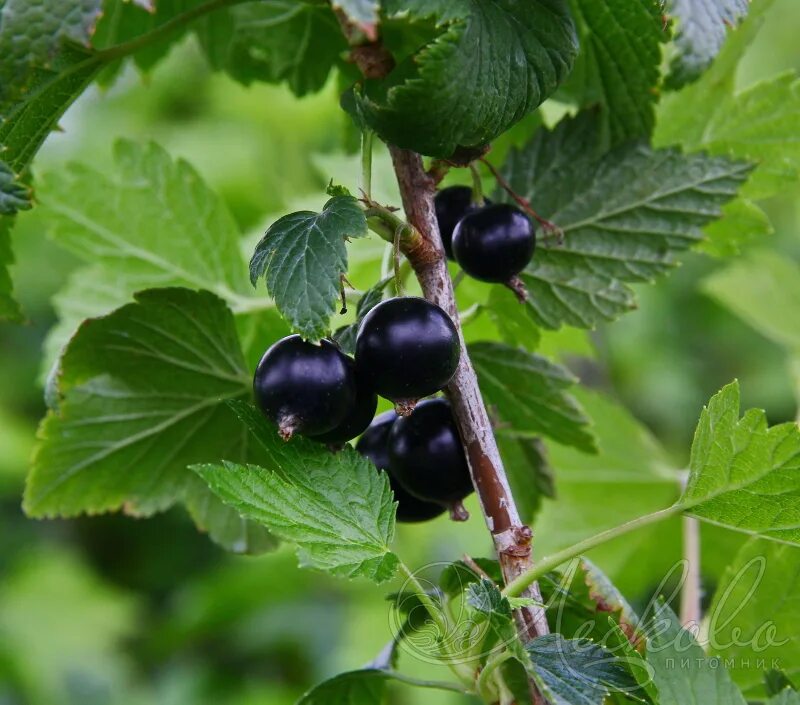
{"points": [[9, 308], [763, 289], [632, 474], [14, 196], [576, 671], [786, 697], [143, 395], [682, 672], [702, 28], [334, 506], [303, 257], [365, 687], [59, 622], [618, 67], [455, 76], [528, 394], [754, 618], [276, 41], [745, 474], [529, 472], [742, 224], [757, 124], [625, 217], [31, 34], [486, 599]]}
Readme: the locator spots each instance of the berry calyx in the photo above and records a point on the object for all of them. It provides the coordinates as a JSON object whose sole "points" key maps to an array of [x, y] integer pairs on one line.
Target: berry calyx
{"points": [[304, 388], [358, 418], [427, 458], [495, 243], [452, 204], [374, 444], [407, 348]]}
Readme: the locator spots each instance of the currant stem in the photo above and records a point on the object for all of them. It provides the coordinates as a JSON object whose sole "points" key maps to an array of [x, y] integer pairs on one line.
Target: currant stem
{"points": [[477, 186], [366, 162]]}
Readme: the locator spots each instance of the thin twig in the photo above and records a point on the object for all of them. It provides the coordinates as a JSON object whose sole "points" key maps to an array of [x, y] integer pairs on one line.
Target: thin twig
{"points": [[692, 591], [548, 227]]}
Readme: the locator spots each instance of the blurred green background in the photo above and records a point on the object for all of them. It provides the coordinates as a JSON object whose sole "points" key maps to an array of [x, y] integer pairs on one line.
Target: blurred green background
{"points": [[116, 610]]}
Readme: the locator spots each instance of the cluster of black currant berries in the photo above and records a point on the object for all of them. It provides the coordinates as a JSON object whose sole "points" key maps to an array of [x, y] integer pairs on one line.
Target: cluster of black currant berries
{"points": [[492, 242], [407, 348]]}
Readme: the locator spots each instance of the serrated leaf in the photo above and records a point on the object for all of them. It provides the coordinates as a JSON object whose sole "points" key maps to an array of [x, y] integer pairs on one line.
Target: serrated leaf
{"points": [[143, 395], [14, 196], [26, 122], [334, 506], [625, 217], [575, 671], [618, 67], [682, 672], [786, 697], [365, 687], [9, 308], [702, 29], [763, 289], [31, 34], [743, 473], [528, 395], [456, 75], [755, 615], [276, 41], [303, 257], [742, 224], [486, 599]]}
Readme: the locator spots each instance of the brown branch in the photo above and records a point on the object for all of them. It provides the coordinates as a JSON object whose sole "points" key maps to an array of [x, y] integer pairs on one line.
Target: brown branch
{"points": [[512, 538]]}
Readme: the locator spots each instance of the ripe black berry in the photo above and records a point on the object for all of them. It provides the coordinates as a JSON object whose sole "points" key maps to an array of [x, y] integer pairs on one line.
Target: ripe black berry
{"points": [[358, 418], [374, 445], [452, 204], [427, 458], [304, 388], [407, 348], [495, 243]]}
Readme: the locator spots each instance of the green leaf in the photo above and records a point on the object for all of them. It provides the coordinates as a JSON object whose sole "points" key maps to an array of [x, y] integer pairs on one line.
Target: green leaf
{"points": [[786, 697], [14, 196], [529, 472], [625, 217], [334, 506], [742, 224], [576, 671], [143, 395], [744, 473], [31, 34], [152, 222], [702, 29], [9, 308], [486, 599], [276, 41], [455, 76], [754, 617], [365, 687], [763, 289], [633, 475], [303, 257], [682, 672], [528, 394], [618, 67]]}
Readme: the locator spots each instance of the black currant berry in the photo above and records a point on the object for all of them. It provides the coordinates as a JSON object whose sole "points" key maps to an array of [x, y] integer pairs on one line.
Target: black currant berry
{"points": [[495, 243], [358, 418], [407, 348], [304, 388], [452, 204], [374, 445], [427, 458]]}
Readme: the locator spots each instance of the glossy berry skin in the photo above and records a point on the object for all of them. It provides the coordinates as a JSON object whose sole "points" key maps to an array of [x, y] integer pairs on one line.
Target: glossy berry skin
{"points": [[304, 388], [374, 444], [407, 348], [358, 418], [495, 243], [452, 204], [426, 455]]}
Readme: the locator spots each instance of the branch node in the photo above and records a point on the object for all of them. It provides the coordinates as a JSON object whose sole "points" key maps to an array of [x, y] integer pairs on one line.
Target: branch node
{"points": [[518, 287]]}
